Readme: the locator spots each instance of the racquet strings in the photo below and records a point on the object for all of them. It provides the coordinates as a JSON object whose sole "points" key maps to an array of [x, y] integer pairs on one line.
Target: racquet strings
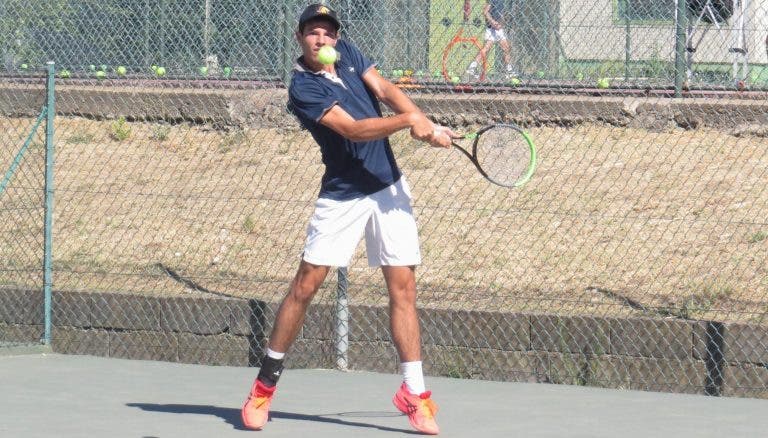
{"points": [[504, 155]]}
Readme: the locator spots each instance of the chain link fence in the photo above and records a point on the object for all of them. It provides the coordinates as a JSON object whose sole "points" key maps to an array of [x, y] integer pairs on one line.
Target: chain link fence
{"points": [[635, 258]]}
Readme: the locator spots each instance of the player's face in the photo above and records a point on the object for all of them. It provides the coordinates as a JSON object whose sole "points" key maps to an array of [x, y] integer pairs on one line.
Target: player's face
{"points": [[316, 34]]}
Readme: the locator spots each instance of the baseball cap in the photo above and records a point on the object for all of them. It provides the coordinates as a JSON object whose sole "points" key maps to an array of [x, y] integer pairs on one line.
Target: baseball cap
{"points": [[318, 11]]}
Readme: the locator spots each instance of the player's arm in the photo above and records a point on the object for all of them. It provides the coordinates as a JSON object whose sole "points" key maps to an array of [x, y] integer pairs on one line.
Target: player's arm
{"points": [[422, 129], [488, 18], [366, 129]]}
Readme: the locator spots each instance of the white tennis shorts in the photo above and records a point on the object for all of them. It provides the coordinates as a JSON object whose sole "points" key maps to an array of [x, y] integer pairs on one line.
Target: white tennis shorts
{"points": [[385, 218], [495, 35]]}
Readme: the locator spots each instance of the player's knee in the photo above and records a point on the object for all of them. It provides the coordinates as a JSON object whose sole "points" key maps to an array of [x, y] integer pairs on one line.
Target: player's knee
{"points": [[304, 289]]}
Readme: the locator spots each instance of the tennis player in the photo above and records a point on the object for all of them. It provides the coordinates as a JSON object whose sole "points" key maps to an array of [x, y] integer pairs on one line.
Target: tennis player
{"points": [[362, 193], [493, 12]]}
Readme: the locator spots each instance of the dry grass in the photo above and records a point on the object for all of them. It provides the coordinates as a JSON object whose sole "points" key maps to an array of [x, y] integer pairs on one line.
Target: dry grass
{"points": [[614, 217]]}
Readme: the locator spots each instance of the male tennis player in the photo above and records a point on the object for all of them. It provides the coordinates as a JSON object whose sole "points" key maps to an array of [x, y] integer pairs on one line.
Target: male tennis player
{"points": [[494, 15], [362, 193]]}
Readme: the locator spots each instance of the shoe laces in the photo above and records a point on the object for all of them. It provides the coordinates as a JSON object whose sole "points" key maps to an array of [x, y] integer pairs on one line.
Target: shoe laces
{"points": [[429, 407]]}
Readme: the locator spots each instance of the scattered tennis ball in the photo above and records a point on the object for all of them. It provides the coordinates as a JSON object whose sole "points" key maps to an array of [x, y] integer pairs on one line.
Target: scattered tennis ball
{"points": [[101, 74], [541, 74], [24, 66], [437, 75], [160, 71], [579, 76], [64, 74], [603, 83], [397, 73], [514, 82], [203, 70], [121, 70], [227, 71], [419, 73], [92, 67], [455, 79], [103, 67], [326, 55], [408, 72]]}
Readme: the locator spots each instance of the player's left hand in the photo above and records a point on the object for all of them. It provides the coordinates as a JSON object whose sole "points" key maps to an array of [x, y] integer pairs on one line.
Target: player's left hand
{"points": [[442, 136]]}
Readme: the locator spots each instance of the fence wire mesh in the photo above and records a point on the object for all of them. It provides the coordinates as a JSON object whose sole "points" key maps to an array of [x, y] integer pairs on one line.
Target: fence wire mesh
{"points": [[635, 258], [22, 203]]}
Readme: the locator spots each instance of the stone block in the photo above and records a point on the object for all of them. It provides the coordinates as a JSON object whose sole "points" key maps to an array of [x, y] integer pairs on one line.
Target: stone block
{"points": [[224, 349], [20, 306], [72, 340], [494, 330], [144, 345], [647, 337], [570, 334]]}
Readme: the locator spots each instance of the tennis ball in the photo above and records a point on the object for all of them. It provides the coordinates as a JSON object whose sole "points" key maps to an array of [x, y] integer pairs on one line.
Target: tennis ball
{"points": [[160, 71], [101, 74], [121, 70], [326, 55], [603, 83], [455, 79], [514, 82], [92, 67], [227, 71], [24, 66], [64, 74], [204, 70]]}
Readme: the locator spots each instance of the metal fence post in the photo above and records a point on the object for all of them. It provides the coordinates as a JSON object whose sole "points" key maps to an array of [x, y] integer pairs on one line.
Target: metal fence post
{"points": [[342, 320], [48, 228]]}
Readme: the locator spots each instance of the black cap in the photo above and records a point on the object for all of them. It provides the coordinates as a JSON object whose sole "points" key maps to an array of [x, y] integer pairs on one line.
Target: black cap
{"points": [[318, 11]]}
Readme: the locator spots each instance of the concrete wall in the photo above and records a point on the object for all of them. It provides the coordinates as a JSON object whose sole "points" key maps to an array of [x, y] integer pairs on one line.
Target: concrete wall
{"points": [[669, 355], [735, 112]]}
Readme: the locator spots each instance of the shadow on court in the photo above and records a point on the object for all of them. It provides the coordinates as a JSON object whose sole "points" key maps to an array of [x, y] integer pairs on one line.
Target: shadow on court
{"points": [[232, 416]]}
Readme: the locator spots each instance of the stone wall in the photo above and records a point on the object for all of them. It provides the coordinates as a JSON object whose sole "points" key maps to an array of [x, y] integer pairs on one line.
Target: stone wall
{"points": [[670, 355]]}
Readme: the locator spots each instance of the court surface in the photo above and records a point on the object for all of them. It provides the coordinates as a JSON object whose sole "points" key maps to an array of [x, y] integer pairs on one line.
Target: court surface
{"points": [[50, 395]]}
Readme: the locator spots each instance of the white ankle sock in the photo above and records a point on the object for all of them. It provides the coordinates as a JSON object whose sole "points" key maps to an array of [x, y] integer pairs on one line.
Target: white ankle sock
{"points": [[413, 377], [274, 354]]}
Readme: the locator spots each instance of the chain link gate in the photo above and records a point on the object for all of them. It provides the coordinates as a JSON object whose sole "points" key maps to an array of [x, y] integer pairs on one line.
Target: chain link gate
{"points": [[635, 258], [26, 213]]}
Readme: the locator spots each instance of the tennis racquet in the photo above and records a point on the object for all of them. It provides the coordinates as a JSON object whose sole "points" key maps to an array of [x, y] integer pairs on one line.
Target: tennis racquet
{"points": [[504, 154]]}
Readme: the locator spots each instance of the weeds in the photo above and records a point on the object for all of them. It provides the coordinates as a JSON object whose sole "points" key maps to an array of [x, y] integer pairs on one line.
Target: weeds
{"points": [[120, 129]]}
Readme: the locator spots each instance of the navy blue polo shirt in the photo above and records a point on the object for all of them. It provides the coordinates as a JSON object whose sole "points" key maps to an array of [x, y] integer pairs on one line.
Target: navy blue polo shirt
{"points": [[352, 169]]}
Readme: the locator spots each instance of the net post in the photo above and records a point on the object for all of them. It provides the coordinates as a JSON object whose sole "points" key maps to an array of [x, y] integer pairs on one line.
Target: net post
{"points": [[48, 227], [342, 320]]}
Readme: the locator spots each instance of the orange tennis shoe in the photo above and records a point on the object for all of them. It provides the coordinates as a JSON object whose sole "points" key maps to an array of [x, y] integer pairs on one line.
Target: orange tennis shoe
{"points": [[420, 409], [256, 408]]}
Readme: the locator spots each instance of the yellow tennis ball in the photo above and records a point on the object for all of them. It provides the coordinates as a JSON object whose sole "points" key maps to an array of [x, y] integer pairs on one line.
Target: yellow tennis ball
{"points": [[326, 55]]}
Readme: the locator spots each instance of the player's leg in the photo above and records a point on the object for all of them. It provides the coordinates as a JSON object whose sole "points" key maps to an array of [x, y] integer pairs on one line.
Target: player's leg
{"points": [[411, 398], [333, 233], [392, 242], [506, 49], [288, 322], [472, 70], [290, 314], [403, 318]]}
